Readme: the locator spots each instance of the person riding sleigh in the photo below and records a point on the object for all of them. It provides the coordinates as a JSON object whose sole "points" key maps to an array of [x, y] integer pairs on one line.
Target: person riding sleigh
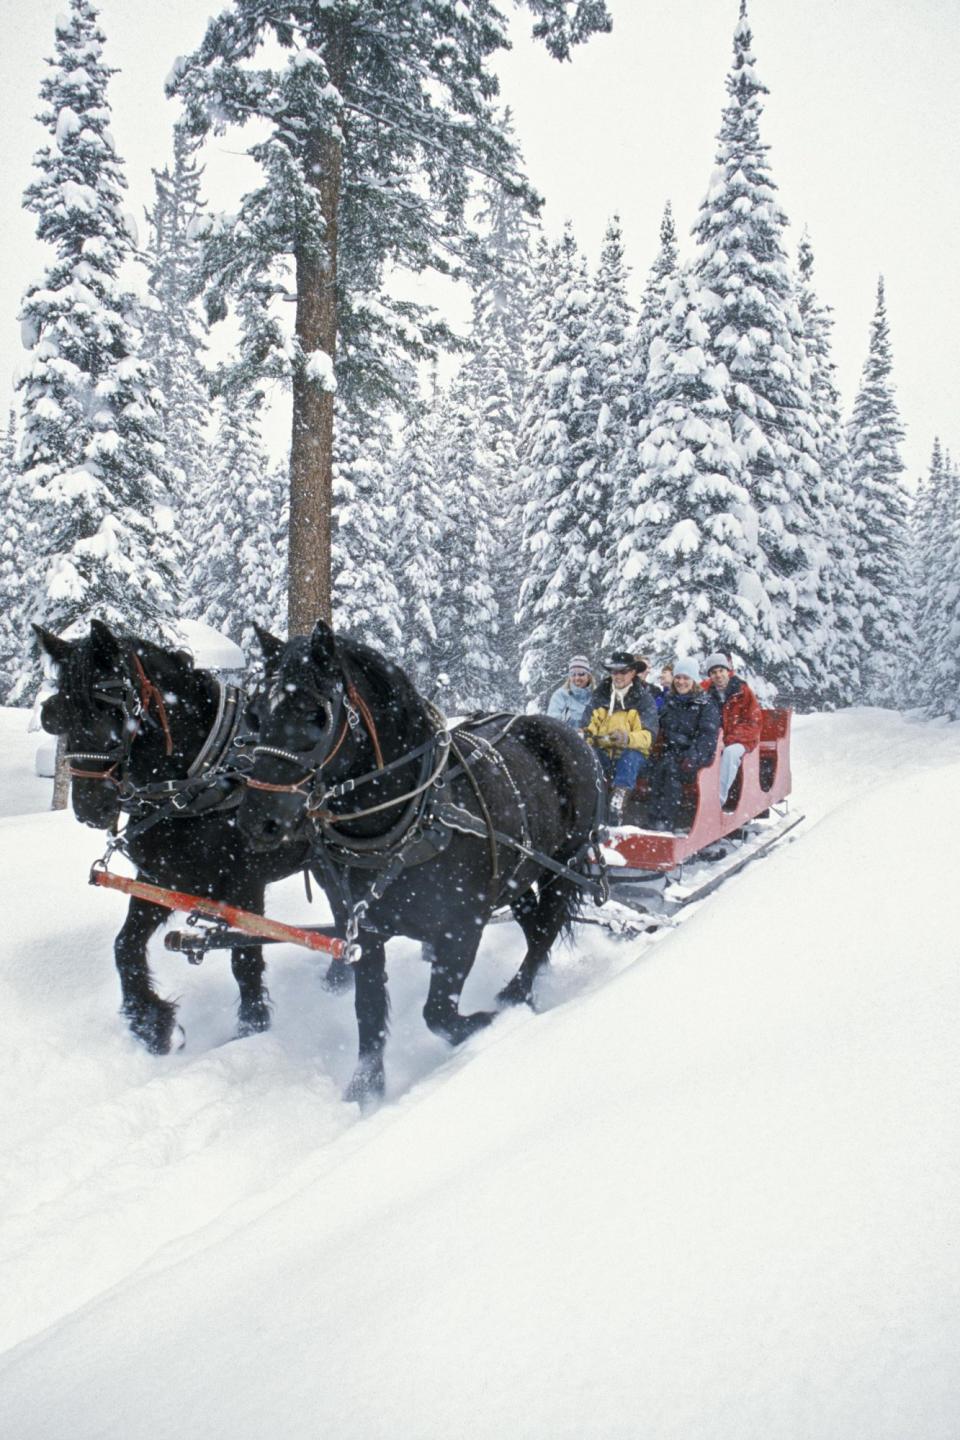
{"points": [[622, 727]]}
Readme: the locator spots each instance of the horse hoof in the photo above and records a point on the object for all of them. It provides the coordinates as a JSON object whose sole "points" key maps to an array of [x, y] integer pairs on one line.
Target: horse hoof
{"points": [[338, 978], [455, 1029], [254, 1020], [156, 1027], [366, 1087], [515, 993]]}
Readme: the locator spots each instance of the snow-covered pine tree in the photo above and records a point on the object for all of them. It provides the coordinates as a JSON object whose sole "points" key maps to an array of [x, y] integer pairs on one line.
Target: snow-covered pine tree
{"points": [[91, 449], [175, 330], [366, 601], [936, 529], [376, 124], [651, 321], [756, 332], [494, 487], [610, 349], [276, 553], [558, 599], [235, 567], [662, 271], [838, 653], [924, 519], [686, 557], [882, 524], [469, 615], [419, 542], [502, 291], [16, 542], [496, 376], [945, 699]]}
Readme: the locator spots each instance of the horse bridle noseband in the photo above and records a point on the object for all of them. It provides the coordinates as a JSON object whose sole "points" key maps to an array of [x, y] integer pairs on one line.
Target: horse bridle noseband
{"points": [[133, 700]]}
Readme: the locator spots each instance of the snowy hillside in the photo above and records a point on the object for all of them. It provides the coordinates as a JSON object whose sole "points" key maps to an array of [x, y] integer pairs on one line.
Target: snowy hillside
{"points": [[709, 1192]]}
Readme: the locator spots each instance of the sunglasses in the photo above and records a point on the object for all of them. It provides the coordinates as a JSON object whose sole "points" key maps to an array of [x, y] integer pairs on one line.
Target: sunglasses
{"points": [[580, 674]]}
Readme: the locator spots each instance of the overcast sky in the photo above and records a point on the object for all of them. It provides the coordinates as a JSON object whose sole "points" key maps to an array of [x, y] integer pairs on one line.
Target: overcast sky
{"points": [[862, 121]]}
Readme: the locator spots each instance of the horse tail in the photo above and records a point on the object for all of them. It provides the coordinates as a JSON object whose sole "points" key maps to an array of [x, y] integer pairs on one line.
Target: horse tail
{"points": [[570, 766]]}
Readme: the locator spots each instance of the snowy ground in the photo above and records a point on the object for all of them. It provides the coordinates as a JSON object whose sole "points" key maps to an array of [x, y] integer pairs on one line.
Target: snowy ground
{"points": [[709, 1192]]}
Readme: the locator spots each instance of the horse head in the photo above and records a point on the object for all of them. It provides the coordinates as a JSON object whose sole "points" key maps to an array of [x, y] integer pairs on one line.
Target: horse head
{"points": [[112, 695], [304, 717], [88, 711]]}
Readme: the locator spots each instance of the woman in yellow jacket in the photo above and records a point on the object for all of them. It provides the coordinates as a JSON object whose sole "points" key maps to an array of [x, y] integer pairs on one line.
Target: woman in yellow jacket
{"points": [[622, 726]]}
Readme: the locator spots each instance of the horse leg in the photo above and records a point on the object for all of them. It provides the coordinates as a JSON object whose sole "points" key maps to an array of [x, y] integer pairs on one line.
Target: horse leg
{"points": [[541, 919], [152, 1020], [372, 1006], [451, 960], [339, 974], [247, 964], [253, 1012]]}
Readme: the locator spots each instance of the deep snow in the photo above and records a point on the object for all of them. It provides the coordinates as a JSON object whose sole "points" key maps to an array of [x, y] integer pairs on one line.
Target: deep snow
{"points": [[711, 1190]]}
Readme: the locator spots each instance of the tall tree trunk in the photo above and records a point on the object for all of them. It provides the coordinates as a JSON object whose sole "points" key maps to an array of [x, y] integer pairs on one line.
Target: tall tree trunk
{"points": [[311, 450]]}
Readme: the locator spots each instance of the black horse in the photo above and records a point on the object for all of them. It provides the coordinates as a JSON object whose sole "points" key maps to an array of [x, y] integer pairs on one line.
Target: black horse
{"points": [[418, 831], [138, 720]]}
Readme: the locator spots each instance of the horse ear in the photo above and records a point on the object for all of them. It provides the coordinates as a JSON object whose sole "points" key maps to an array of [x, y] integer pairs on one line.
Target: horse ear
{"points": [[106, 646], [323, 646], [272, 647], [53, 645]]}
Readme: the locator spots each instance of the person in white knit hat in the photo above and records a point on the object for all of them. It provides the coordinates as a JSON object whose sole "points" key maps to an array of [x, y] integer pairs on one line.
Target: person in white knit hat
{"points": [[689, 730], [570, 701]]}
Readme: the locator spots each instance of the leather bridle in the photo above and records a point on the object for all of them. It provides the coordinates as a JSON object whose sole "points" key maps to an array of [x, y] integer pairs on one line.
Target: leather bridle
{"points": [[310, 785], [133, 697]]}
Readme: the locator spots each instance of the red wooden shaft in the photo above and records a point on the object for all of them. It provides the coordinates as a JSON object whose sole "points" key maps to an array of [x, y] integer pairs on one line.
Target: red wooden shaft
{"points": [[243, 919]]}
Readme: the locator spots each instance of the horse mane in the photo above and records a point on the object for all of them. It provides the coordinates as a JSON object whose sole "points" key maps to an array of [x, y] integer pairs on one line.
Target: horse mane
{"points": [[158, 660], [388, 681]]}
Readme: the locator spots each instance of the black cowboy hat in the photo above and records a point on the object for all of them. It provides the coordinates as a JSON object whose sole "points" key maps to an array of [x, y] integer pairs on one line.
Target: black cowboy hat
{"points": [[619, 660]]}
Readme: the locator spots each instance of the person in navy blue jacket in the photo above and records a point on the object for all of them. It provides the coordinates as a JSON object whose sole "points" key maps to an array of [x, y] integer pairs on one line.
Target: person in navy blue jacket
{"points": [[687, 741]]}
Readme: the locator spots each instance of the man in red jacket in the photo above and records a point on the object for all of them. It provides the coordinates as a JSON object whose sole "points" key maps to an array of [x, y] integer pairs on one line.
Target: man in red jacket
{"points": [[741, 717]]}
